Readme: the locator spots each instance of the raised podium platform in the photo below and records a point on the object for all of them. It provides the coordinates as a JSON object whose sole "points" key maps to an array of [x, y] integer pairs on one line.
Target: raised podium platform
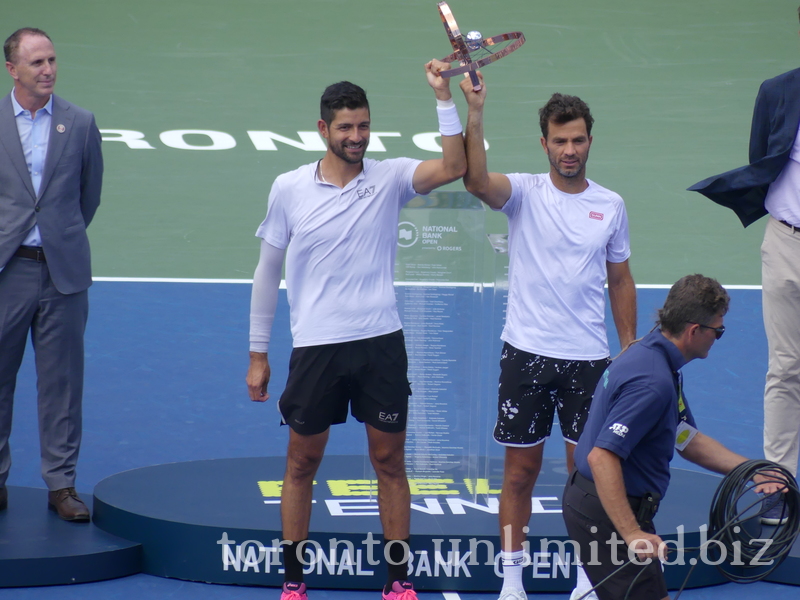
{"points": [[218, 521], [38, 548]]}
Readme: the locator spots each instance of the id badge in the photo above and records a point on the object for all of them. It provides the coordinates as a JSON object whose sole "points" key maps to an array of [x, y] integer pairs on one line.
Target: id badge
{"points": [[685, 434]]}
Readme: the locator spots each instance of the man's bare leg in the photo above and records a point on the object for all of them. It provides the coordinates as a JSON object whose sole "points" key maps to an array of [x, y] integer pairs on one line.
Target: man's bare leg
{"points": [[387, 453], [303, 457], [520, 470], [570, 452]]}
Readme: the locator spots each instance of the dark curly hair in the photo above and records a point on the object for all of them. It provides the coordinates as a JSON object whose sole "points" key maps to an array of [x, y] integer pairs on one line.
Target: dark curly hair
{"points": [[562, 109]]}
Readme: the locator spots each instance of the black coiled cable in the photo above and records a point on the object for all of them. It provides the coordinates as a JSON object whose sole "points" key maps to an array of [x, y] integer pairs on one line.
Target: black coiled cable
{"points": [[734, 526]]}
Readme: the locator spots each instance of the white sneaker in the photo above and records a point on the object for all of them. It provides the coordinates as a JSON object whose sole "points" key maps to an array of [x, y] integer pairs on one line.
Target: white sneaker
{"points": [[512, 594], [576, 593]]}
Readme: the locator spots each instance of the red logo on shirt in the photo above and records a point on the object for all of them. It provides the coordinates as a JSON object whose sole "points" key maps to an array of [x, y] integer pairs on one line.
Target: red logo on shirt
{"points": [[596, 216]]}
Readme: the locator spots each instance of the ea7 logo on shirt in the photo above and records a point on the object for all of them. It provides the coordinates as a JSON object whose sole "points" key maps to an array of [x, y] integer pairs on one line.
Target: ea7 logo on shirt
{"points": [[388, 417], [365, 192], [619, 429], [596, 216]]}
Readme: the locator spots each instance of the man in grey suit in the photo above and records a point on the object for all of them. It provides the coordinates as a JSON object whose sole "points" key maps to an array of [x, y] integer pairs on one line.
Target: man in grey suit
{"points": [[51, 172]]}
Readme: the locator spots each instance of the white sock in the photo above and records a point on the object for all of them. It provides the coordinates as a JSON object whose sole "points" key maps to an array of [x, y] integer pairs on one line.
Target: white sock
{"points": [[512, 569]]}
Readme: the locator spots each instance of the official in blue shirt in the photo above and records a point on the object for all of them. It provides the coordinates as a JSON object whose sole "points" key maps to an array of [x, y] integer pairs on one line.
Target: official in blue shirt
{"points": [[638, 417], [634, 414]]}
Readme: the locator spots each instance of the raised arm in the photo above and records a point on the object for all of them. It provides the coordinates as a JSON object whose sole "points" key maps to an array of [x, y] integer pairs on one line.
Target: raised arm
{"points": [[492, 188], [622, 297], [263, 303], [437, 172]]}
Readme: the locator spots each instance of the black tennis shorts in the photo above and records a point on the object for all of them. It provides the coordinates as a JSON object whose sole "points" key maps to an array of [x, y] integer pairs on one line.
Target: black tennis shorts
{"points": [[370, 376], [533, 387]]}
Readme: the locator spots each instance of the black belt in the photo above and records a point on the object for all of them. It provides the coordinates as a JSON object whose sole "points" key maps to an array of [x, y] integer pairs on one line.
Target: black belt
{"points": [[790, 226], [33, 252], [647, 504]]}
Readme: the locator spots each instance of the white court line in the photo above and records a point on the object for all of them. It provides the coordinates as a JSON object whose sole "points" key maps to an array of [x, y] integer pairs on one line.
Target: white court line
{"points": [[168, 280], [451, 596], [640, 286], [662, 286], [283, 282]]}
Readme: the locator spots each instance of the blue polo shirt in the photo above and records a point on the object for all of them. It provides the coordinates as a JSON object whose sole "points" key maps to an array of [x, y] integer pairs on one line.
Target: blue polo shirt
{"points": [[635, 413]]}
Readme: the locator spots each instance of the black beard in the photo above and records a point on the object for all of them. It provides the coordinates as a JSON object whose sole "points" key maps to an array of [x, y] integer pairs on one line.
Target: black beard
{"points": [[340, 152]]}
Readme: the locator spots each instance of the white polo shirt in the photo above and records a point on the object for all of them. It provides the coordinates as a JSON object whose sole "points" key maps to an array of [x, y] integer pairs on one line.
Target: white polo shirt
{"points": [[340, 249], [558, 247]]}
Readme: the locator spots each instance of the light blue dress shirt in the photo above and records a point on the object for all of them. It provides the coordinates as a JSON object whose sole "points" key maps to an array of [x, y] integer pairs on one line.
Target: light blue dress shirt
{"points": [[34, 134]]}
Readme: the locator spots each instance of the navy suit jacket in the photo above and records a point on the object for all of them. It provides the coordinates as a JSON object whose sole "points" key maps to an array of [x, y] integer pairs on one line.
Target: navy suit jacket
{"points": [[776, 118], [69, 193]]}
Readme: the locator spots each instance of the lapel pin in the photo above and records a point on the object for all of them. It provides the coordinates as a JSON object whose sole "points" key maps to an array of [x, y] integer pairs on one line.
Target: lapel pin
{"points": [[60, 128]]}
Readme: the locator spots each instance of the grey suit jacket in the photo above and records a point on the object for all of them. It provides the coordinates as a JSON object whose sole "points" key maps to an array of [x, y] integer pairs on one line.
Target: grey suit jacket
{"points": [[69, 193], [776, 119]]}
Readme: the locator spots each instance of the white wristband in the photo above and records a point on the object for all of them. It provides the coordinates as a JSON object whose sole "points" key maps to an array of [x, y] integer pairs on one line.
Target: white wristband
{"points": [[449, 123]]}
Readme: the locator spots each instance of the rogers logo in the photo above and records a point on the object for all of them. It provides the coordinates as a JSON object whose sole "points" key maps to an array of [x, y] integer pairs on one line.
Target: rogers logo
{"points": [[596, 216]]}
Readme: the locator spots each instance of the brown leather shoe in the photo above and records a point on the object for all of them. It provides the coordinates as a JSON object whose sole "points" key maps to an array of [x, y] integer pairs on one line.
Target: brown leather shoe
{"points": [[67, 504], [3, 498]]}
